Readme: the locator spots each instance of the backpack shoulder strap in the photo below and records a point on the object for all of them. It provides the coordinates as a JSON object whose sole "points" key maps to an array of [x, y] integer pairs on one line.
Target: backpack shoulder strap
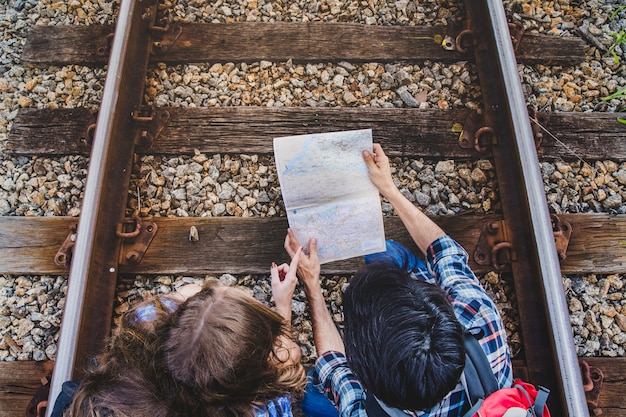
{"points": [[376, 408], [541, 399], [373, 408], [478, 378]]}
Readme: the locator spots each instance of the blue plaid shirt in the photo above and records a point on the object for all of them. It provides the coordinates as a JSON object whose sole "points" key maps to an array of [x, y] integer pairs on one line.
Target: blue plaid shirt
{"points": [[278, 407], [447, 267]]}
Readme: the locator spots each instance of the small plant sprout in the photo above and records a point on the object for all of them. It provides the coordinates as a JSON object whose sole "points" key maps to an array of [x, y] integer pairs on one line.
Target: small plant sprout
{"points": [[619, 94], [620, 37]]}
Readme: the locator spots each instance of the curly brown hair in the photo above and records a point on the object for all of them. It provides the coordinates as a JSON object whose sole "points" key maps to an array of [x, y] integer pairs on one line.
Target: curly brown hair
{"points": [[219, 354]]}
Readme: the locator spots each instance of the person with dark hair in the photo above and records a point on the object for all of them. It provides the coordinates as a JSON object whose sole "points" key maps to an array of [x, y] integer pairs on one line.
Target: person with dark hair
{"points": [[214, 351], [417, 335], [404, 323]]}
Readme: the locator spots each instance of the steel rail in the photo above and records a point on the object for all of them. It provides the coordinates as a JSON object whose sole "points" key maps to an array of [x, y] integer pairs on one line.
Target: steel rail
{"points": [[551, 358], [93, 274]]}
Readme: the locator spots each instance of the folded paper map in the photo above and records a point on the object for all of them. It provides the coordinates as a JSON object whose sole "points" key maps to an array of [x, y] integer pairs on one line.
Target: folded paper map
{"points": [[328, 194]]}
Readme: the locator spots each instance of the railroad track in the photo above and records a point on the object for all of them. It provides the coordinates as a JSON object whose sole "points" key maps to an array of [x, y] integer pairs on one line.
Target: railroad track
{"points": [[109, 242]]}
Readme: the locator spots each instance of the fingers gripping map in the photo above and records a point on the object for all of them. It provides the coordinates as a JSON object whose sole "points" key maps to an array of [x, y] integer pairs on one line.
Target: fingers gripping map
{"points": [[328, 194]]}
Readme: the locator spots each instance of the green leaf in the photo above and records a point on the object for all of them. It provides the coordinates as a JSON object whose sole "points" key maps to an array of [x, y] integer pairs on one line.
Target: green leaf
{"points": [[615, 57], [623, 121], [618, 94], [617, 11]]}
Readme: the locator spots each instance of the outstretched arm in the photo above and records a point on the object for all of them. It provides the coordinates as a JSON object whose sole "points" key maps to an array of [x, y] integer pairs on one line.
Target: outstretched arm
{"points": [[422, 229], [284, 282], [325, 332]]}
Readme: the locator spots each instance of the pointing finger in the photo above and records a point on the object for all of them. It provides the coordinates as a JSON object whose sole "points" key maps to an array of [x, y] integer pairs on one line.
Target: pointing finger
{"points": [[295, 259]]}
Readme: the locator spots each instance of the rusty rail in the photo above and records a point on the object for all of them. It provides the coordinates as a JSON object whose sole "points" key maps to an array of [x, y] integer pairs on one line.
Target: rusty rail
{"points": [[93, 274], [551, 358]]}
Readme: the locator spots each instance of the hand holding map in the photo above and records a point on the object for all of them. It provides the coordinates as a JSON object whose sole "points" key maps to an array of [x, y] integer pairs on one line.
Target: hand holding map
{"points": [[328, 194]]}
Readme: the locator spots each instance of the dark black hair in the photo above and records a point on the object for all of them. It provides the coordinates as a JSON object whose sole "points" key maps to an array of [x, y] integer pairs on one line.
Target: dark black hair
{"points": [[402, 339]]}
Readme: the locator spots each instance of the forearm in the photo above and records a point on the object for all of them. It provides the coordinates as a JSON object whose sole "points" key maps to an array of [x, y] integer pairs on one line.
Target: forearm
{"points": [[291, 352], [285, 312], [325, 332], [422, 229], [294, 353], [334, 376]]}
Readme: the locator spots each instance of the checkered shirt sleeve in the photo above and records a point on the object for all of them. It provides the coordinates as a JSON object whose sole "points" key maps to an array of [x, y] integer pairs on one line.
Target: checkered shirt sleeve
{"points": [[447, 261], [336, 380]]}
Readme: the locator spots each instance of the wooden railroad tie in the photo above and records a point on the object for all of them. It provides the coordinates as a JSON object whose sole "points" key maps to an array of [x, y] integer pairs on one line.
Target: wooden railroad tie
{"points": [[308, 42], [402, 131], [220, 239]]}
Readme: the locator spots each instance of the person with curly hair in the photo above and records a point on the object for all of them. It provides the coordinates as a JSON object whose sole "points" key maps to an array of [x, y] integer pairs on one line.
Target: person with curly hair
{"points": [[213, 351]]}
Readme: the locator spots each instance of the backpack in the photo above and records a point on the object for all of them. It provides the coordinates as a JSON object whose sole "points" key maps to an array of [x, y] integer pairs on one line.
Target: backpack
{"points": [[521, 400], [481, 388]]}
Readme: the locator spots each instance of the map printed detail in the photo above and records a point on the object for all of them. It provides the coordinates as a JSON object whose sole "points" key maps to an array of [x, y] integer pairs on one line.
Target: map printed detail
{"points": [[328, 194]]}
